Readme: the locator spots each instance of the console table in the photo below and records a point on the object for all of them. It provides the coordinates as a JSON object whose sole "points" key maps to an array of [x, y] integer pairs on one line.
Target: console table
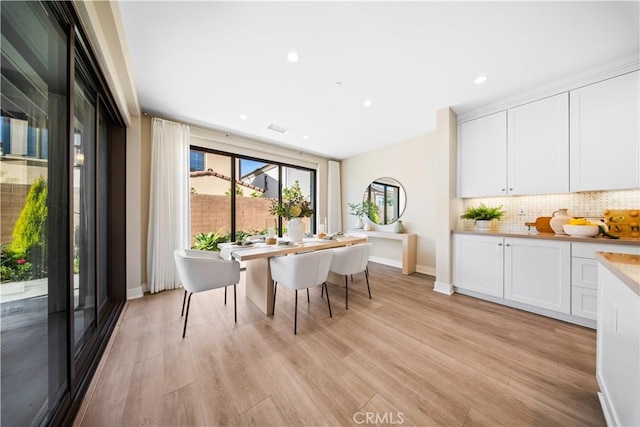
{"points": [[409, 245]]}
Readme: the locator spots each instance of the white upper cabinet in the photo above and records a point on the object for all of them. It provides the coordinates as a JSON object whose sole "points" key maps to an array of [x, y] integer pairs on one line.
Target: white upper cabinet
{"points": [[604, 135], [538, 147], [482, 156]]}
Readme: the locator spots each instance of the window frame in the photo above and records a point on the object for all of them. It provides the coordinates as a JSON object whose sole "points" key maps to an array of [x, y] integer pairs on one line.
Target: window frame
{"points": [[234, 157]]}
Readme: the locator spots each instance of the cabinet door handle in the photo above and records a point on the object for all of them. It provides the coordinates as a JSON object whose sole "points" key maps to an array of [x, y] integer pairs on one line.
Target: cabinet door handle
{"points": [[504, 189], [499, 244], [511, 189], [507, 244]]}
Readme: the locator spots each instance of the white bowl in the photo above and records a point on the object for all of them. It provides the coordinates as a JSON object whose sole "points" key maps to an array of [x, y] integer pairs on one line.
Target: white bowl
{"points": [[581, 230]]}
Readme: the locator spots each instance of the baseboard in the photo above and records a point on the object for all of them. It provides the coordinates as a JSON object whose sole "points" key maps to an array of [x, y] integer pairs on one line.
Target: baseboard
{"points": [[587, 323], [423, 269], [386, 261], [606, 410], [443, 288], [133, 293]]}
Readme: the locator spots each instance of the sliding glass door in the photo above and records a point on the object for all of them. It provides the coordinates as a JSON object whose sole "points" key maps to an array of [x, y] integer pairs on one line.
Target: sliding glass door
{"points": [[84, 212], [34, 147], [61, 237]]}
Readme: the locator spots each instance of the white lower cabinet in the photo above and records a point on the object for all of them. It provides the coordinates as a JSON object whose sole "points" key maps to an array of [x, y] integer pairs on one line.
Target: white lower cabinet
{"points": [[584, 276], [478, 263], [529, 271], [538, 273], [584, 302], [531, 274], [550, 277]]}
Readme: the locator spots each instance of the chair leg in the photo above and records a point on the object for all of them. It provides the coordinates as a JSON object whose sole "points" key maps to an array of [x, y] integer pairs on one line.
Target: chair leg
{"points": [[352, 278], [328, 302], [308, 295], [366, 275], [275, 290], [295, 316], [184, 330], [225, 295], [235, 308], [346, 299], [183, 301], [322, 292]]}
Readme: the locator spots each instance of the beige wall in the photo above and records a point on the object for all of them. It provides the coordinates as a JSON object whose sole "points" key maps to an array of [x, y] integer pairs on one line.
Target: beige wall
{"points": [[424, 167]]}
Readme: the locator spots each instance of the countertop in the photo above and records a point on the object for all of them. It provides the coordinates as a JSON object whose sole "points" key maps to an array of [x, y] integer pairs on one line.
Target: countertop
{"points": [[624, 267], [631, 241]]}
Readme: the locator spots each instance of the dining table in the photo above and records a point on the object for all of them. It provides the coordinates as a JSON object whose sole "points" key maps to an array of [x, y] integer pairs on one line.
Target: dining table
{"points": [[255, 255]]}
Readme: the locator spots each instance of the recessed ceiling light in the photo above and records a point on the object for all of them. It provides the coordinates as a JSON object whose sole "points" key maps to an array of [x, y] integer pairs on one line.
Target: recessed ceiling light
{"points": [[367, 103], [339, 84], [293, 57], [480, 79], [243, 117], [305, 136]]}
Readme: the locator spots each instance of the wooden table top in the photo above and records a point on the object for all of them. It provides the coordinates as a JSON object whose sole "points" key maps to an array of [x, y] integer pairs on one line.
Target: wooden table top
{"points": [[262, 250]]}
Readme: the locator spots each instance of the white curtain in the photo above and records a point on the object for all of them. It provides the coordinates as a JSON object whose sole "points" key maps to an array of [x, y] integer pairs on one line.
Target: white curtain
{"points": [[169, 221], [334, 202]]}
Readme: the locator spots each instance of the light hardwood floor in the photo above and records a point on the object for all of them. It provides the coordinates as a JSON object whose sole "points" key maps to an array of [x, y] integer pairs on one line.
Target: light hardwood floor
{"points": [[409, 356]]}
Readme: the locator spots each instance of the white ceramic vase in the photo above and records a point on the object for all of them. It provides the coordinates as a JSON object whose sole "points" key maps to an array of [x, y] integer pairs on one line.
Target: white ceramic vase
{"points": [[295, 230], [558, 219], [359, 223]]}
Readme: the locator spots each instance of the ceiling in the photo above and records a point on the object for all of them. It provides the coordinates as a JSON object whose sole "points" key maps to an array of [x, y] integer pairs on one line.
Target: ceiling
{"points": [[209, 63]]}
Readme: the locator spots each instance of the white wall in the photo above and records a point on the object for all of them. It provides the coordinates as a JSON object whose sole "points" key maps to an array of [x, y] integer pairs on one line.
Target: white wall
{"points": [[424, 167]]}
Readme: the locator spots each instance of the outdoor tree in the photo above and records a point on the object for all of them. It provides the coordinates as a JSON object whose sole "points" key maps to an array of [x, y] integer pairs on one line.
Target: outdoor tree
{"points": [[29, 230]]}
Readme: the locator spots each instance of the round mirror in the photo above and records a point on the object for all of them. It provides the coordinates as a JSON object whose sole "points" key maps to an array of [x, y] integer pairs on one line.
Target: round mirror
{"points": [[386, 200]]}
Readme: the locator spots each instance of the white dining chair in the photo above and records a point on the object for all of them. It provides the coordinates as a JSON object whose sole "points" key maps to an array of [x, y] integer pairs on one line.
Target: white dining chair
{"points": [[202, 271], [301, 271], [350, 260]]}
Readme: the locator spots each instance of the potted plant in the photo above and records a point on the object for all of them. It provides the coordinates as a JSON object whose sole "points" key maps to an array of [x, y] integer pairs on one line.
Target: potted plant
{"points": [[359, 210], [482, 215]]}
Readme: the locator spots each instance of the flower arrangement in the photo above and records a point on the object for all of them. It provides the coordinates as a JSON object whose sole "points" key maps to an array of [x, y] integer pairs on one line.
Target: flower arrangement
{"points": [[294, 204]]}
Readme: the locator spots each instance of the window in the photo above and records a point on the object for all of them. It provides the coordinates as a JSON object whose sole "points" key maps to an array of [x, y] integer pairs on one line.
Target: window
{"points": [[196, 160], [219, 214]]}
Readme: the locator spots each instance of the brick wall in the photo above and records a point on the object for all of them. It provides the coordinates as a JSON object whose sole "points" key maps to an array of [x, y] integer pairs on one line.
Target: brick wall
{"points": [[12, 200], [212, 213]]}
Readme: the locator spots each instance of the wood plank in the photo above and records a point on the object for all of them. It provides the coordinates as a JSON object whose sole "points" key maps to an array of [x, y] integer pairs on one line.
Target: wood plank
{"points": [[437, 359], [146, 389]]}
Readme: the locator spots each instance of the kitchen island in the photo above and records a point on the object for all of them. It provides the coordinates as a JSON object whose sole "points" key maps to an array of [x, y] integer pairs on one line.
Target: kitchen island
{"points": [[618, 338]]}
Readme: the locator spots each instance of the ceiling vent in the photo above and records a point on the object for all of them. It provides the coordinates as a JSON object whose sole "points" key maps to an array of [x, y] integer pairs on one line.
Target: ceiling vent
{"points": [[277, 128]]}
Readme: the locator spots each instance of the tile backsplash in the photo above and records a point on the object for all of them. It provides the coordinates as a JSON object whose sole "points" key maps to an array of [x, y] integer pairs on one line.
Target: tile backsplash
{"points": [[587, 204]]}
